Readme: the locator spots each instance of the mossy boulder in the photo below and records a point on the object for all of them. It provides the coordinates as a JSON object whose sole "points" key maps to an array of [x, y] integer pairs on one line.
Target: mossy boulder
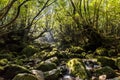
{"points": [[11, 70], [44, 66], [106, 61], [118, 62], [112, 52], [25, 76], [77, 68], [29, 50], [108, 71], [101, 51], [76, 49], [3, 62]]}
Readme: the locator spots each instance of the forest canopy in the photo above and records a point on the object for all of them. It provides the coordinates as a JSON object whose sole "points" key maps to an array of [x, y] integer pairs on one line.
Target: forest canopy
{"points": [[34, 31]]}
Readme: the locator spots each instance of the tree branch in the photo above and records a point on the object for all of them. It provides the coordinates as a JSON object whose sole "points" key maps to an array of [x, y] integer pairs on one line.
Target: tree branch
{"points": [[18, 12]]}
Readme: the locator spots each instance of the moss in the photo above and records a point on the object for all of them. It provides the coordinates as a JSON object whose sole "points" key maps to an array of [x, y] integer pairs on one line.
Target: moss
{"points": [[101, 51], [112, 52], [25, 76], [77, 68], [29, 50], [76, 49], [11, 70], [46, 66], [52, 75], [117, 63], [3, 62], [106, 61], [108, 71]]}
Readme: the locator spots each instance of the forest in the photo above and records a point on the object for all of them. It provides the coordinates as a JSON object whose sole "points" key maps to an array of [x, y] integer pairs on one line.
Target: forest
{"points": [[59, 39]]}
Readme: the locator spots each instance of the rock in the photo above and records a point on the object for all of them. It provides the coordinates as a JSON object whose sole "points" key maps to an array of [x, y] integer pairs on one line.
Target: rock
{"points": [[77, 68], [11, 70], [46, 66], [101, 51], [52, 75], [102, 77], [1, 78], [39, 74], [112, 52], [29, 50], [25, 76], [117, 63], [105, 72], [106, 61], [3, 62], [76, 49]]}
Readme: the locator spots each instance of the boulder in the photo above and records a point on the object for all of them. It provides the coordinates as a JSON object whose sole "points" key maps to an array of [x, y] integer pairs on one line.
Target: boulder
{"points": [[25, 76], [77, 68], [44, 66], [107, 71], [117, 63], [39, 74], [29, 50], [106, 61], [11, 70], [52, 75], [101, 51]]}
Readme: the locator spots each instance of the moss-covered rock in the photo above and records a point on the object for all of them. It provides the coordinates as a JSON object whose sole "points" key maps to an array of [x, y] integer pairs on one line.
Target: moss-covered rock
{"points": [[108, 71], [25, 76], [106, 61], [101, 51], [11, 70], [77, 68], [76, 49], [118, 62], [29, 50], [43, 66], [3, 62], [112, 52]]}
